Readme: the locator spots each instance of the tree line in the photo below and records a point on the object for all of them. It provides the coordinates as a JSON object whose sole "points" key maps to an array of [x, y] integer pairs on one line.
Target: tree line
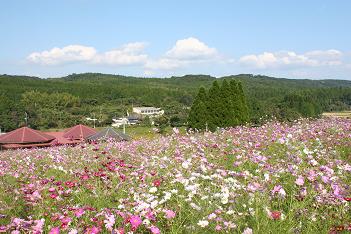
{"points": [[63, 102], [221, 106]]}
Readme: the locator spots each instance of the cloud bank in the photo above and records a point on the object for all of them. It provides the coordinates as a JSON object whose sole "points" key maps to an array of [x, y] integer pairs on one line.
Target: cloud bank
{"points": [[191, 53], [286, 59]]}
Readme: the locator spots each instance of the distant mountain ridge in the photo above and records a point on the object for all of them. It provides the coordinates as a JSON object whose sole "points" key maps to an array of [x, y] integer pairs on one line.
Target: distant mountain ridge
{"points": [[112, 95]]}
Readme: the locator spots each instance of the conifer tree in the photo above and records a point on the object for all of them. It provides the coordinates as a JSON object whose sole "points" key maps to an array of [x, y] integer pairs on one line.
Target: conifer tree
{"points": [[198, 115], [244, 110], [214, 104], [234, 97], [224, 106], [227, 105]]}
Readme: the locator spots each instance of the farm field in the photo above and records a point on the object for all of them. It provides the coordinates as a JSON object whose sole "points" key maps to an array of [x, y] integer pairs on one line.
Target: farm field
{"points": [[276, 178], [341, 114]]}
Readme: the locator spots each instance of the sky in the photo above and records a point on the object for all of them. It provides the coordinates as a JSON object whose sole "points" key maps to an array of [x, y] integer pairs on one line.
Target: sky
{"points": [[158, 38]]}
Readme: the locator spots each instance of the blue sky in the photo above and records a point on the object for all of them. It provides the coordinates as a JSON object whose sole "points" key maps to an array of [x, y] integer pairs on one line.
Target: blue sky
{"points": [[294, 39]]}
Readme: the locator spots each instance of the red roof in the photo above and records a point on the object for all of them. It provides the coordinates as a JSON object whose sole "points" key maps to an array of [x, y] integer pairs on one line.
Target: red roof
{"points": [[79, 132], [60, 140], [25, 135]]}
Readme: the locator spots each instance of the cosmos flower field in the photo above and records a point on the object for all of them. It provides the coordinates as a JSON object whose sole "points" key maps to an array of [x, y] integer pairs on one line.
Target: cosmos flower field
{"points": [[277, 178]]}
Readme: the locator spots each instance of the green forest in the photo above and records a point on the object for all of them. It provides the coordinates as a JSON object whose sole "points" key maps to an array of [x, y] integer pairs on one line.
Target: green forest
{"points": [[63, 102]]}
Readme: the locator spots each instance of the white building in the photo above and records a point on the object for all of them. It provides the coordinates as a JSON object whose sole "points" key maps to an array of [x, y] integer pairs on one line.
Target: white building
{"points": [[124, 120], [119, 122], [148, 111]]}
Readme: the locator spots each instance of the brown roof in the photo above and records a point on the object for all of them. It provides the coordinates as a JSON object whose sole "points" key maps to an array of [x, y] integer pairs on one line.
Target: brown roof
{"points": [[60, 140], [79, 132], [25, 135]]}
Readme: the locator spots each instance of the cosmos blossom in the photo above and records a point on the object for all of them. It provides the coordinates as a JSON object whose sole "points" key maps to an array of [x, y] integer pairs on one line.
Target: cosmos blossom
{"points": [[135, 221], [216, 181]]}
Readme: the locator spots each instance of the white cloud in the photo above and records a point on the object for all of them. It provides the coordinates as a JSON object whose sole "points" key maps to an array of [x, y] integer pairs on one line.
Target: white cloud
{"points": [[185, 52], [128, 54], [71, 53], [291, 59], [164, 64], [191, 49]]}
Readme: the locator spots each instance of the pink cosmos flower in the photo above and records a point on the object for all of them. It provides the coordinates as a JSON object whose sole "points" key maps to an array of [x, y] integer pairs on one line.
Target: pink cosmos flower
{"points": [[3, 229], [336, 189], [109, 221], [275, 215], [38, 227], [53, 195], [276, 189], [52, 189], [155, 230], [66, 221], [135, 221], [247, 231], [119, 231], [300, 181], [55, 230], [170, 214], [93, 230], [150, 215], [79, 212]]}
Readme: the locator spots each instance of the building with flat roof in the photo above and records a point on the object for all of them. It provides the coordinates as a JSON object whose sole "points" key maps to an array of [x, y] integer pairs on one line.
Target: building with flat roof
{"points": [[148, 111]]}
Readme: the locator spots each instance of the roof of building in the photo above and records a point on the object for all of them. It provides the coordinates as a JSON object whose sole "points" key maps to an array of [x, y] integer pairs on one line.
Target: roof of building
{"points": [[79, 131], [25, 135], [109, 133], [147, 108], [61, 140]]}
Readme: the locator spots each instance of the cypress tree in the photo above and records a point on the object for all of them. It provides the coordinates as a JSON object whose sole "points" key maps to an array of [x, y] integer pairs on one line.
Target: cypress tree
{"points": [[214, 107], [235, 99], [198, 115], [226, 105], [244, 110]]}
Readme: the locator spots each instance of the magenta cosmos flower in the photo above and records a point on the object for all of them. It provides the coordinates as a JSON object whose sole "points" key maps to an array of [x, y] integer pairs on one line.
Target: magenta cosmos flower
{"points": [[55, 230], [135, 221]]}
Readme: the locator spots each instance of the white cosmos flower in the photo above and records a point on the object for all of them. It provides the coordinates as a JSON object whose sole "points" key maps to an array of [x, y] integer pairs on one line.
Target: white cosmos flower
{"points": [[203, 223], [185, 164], [146, 222], [153, 190], [153, 204]]}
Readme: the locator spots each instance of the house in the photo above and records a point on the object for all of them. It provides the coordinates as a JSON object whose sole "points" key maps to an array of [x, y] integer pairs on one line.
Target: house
{"points": [[119, 122], [148, 111], [25, 138], [130, 120]]}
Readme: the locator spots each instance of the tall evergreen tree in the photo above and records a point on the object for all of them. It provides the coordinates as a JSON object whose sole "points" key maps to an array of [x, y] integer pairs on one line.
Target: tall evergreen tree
{"points": [[228, 112], [224, 106], [198, 115], [244, 110], [215, 107], [234, 97]]}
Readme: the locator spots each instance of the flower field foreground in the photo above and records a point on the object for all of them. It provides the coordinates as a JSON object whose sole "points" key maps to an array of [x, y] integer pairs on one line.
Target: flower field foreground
{"points": [[273, 179]]}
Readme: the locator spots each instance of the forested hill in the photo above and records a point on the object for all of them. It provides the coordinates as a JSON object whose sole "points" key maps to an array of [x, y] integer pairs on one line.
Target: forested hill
{"points": [[107, 96]]}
